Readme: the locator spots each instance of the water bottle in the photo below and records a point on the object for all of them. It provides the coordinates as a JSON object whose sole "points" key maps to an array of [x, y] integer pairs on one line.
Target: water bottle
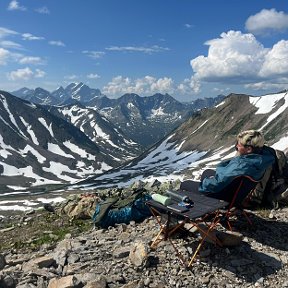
{"points": [[178, 197]]}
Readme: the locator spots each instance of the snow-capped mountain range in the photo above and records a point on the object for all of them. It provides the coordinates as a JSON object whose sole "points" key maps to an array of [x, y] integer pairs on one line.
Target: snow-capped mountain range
{"points": [[37, 147], [145, 120], [76, 144], [73, 92], [46, 144], [203, 141]]}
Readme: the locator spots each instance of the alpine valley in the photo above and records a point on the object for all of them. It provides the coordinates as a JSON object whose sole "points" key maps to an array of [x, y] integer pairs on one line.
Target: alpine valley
{"points": [[71, 134]]}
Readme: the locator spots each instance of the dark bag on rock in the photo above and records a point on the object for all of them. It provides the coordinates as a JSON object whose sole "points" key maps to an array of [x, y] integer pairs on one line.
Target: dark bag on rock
{"points": [[278, 182], [116, 210], [274, 183]]}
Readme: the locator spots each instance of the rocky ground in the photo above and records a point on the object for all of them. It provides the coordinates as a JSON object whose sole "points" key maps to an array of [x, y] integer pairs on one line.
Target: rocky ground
{"points": [[44, 250]]}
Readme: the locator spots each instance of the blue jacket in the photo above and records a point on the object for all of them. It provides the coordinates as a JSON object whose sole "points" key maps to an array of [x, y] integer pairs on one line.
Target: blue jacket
{"points": [[253, 165]]}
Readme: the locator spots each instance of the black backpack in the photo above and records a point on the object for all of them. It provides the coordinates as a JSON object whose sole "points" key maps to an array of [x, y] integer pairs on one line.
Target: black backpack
{"points": [[278, 180]]}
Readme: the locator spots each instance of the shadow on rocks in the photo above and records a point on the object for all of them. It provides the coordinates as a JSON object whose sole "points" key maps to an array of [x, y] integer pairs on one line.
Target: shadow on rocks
{"points": [[152, 261], [269, 232], [244, 262]]}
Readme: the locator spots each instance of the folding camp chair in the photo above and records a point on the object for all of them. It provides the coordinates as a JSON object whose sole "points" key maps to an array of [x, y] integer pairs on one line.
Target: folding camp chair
{"points": [[236, 194]]}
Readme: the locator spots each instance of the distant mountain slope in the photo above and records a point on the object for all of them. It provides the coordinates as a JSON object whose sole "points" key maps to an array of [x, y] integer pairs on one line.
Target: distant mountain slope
{"points": [[109, 139], [53, 142], [205, 139], [73, 92], [82, 92], [37, 96], [155, 116], [146, 120], [36, 147]]}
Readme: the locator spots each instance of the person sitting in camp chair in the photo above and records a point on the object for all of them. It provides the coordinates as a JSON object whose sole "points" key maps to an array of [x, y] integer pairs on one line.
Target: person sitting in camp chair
{"points": [[253, 159], [235, 179]]}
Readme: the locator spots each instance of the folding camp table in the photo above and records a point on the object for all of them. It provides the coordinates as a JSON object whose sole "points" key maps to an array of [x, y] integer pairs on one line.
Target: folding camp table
{"points": [[203, 207]]}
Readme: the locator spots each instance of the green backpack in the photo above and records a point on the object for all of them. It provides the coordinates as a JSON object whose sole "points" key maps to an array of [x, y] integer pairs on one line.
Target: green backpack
{"points": [[122, 209]]}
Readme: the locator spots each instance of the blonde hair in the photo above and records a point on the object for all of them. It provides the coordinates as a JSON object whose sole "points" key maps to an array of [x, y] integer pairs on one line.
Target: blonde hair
{"points": [[252, 138]]}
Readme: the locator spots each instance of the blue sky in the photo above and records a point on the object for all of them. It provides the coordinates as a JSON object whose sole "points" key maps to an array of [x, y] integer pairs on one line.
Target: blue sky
{"points": [[187, 48]]}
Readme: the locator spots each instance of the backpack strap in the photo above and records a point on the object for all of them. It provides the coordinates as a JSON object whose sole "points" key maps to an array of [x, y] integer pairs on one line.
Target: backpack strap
{"points": [[102, 209]]}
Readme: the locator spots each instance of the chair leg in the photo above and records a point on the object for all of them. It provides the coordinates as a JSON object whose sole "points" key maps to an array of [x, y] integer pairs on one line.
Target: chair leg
{"points": [[207, 234], [157, 240], [229, 213], [247, 217], [196, 252], [165, 229]]}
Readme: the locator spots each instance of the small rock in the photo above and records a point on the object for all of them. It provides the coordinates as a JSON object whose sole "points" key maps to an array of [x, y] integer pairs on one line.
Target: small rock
{"points": [[138, 254], [41, 262], [205, 280], [64, 282], [121, 252], [271, 215], [7, 229], [101, 282], [2, 261]]}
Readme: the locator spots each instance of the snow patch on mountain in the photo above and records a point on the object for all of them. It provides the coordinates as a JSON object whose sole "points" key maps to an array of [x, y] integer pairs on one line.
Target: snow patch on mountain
{"points": [[48, 127], [265, 104], [268, 103], [282, 144], [30, 131], [41, 159], [158, 112], [4, 148]]}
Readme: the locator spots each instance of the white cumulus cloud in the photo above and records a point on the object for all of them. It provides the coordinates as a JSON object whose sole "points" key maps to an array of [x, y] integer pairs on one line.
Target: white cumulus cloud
{"points": [[4, 32], [39, 73], [267, 21], [143, 86], [237, 58], [189, 85], [147, 50], [163, 85], [93, 76], [276, 61], [31, 60], [233, 56], [21, 74], [14, 5], [94, 54], [10, 44], [28, 36], [43, 10], [25, 74]]}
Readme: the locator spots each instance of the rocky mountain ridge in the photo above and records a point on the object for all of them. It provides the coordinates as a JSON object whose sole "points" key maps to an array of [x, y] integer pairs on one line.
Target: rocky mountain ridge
{"points": [[121, 256], [74, 92], [204, 139], [200, 142]]}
